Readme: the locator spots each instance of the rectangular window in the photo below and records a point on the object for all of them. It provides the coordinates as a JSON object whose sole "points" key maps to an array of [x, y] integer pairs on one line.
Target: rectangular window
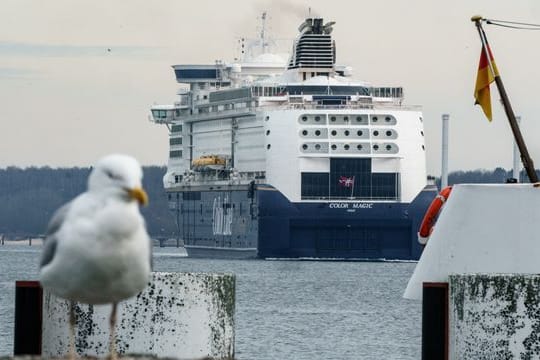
{"points": [[384, 185], [175, 154], [196, 73], [314, 185], [176, 128], [175, 141], [350, 179], [191, 195]]}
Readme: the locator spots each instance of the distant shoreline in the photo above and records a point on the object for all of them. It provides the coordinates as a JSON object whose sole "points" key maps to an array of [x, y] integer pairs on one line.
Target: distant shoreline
{"points": [[22, 242], [39, 242]]}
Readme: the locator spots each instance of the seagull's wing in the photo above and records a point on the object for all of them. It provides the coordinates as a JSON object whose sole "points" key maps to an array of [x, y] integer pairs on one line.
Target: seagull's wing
{"points": [[151, 256], [50, 242], [151, 243]]}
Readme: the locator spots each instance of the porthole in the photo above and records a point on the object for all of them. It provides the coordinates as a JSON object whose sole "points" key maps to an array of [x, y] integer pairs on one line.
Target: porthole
{"points": [[374, 119], [421, 120], [388, 133], [317, 132], [304, 146], [304, 118], [317, 146], [346, 132], [346, 118], [375, 147], [334, 132], [268, 118], [267, 132], [268, 146], [422, 133], [359, 133], [387, 119], [359, 146], [375, 133], [304, 132], [317, 118], [333, 118], [334, 147], [423, 147], [388, 147], [346, 146], [359, 118]]}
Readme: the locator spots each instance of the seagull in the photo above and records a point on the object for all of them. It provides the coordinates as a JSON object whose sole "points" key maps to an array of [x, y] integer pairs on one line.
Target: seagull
{"points": [[97, 250]]}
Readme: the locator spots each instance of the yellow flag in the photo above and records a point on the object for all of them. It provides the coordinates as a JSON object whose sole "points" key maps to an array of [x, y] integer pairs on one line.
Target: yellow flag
{"points": [[483, 79]]}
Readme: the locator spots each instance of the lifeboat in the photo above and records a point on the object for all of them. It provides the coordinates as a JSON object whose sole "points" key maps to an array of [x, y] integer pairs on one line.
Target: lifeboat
{"points": [[209, 162]]}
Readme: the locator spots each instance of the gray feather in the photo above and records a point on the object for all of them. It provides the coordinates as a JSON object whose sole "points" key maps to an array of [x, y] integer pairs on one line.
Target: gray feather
{"points": [[57, 219], [151, 257], [49, 249], [50, 242]]}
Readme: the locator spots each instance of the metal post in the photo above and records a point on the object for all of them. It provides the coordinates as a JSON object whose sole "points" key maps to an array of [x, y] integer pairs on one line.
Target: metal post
{"points": [[28, 310], [444, 160], [516, 168], [435, 322], [525, 157]]}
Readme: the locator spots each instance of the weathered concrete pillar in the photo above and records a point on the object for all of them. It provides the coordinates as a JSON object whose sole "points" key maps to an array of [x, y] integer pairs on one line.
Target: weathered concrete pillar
{"points": [[494, 316], [180, 315]]}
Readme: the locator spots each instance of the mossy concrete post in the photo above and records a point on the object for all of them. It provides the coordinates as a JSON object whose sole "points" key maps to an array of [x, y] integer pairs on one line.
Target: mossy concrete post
{"points": [[179, 315], [494, 316]]}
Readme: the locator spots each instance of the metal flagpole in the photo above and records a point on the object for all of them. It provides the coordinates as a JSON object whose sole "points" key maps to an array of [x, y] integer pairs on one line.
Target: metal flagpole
{"points": [[525, 158]]}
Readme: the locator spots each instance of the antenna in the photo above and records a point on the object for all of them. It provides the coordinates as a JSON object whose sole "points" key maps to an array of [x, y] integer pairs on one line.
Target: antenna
{"points": [[263, 32]]}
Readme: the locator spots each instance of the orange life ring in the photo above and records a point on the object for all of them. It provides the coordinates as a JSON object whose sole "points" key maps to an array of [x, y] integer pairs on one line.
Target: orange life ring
{"points": [[431, 215]]}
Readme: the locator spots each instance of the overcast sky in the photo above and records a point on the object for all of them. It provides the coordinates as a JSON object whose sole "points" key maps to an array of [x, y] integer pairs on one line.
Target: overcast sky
{"points": [[67, 100]]}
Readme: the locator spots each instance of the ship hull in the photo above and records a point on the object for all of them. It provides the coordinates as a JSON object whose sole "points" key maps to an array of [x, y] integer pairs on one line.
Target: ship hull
{"points": [[239, 224]]}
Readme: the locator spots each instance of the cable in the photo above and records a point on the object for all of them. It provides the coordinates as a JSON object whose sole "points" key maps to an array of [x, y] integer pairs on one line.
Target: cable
{"points": [[515, 25]]}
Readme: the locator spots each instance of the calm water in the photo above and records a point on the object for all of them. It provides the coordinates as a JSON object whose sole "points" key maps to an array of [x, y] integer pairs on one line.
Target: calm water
{"points": [[285, 309]]}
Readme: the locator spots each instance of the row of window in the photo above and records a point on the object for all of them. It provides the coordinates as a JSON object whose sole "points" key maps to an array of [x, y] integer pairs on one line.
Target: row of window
{"points": [[347, 119], [364, 148], [360, 133], [350, 178], [175, 154], [175, 141]]}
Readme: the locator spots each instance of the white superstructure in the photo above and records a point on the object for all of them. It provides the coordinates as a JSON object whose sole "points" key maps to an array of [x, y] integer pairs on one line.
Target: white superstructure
{"points": [[281, 121]]}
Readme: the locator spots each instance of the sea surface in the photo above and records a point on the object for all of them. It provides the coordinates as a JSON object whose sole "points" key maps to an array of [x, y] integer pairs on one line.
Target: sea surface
{"points": [[301, 310]]}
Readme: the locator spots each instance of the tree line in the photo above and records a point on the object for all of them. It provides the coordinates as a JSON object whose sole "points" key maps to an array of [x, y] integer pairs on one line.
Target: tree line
{"points": [[29, 196]]}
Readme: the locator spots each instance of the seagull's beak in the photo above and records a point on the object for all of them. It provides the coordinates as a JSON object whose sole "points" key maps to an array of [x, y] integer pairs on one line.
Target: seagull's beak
{"points": [[138, 194]]}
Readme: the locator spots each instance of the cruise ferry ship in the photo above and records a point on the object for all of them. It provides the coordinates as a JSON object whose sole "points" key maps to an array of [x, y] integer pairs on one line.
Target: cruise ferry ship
{"points": [[274, 157]]}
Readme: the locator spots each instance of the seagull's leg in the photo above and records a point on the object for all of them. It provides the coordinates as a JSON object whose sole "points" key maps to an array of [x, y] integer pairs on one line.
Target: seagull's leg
{"points": [[72, 352], [112, 333]]}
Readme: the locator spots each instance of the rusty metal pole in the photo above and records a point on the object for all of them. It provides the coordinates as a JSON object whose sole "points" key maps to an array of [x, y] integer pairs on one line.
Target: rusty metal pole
{"points": [[524, 153]]}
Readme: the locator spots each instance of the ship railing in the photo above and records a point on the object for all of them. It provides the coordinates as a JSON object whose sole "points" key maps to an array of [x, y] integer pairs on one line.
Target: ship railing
{"points": [[245, 111], [371, 106], [353, 198]]}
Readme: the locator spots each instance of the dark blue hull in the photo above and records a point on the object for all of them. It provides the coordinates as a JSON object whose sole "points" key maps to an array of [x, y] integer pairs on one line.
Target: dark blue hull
{"points": [[340, 230], [264, 224]]}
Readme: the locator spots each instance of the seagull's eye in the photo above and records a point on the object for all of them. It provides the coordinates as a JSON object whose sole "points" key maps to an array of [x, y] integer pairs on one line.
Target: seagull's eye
{"points": [[112, 175]]}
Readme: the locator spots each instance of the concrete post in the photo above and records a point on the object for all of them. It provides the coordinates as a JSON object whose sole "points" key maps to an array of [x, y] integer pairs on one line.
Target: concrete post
{"points": [[494, 316], [179, 315]]}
